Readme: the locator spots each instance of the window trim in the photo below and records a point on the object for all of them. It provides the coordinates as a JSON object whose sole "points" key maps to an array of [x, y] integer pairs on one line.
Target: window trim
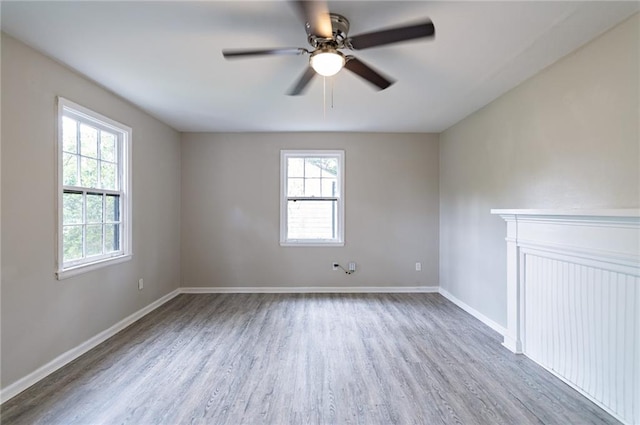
{"points": [[65, 106], [305, 153]]}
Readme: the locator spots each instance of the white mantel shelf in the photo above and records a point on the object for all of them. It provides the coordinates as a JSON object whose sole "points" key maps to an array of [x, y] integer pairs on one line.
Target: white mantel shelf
{"points": [[624, 212], [573, 299], [601, 216]]}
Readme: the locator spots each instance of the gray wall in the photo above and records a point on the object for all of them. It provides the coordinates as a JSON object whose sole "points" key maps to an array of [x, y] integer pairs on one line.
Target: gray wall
{"points": [[41, 316], [230, 211], [567, 138]]}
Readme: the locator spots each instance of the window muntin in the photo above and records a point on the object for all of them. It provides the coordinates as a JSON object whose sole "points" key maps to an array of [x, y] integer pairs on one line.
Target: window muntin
{"points": [[94, 190], [312, 207]]}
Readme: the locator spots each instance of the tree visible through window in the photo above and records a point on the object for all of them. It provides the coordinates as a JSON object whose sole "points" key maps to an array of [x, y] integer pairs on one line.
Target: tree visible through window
{"points": [[312, 204], [93, 187]]}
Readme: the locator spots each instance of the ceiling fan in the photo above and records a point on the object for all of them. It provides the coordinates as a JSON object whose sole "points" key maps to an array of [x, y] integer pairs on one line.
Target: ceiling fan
{"points": [[327, 34]]}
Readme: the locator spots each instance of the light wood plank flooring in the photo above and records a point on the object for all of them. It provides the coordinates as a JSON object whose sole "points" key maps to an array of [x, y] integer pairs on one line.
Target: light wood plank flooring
{"points": [[303, 358]]}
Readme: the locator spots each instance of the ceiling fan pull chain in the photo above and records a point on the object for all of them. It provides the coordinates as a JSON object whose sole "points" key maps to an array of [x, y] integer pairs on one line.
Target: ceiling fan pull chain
{"points": [[332, 81], [324, 98]]}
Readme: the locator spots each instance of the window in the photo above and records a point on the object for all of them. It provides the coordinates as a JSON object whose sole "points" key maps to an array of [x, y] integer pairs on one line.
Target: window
{"points": [[94, 196], [311, 192]]}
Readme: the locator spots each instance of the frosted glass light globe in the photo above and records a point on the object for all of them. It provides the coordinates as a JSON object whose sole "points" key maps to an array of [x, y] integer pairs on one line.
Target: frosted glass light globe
{"points": [[327, 63]]}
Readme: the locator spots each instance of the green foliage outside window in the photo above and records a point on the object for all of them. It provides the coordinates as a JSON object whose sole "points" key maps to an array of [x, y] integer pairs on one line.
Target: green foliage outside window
{"points": [[91, 220]]}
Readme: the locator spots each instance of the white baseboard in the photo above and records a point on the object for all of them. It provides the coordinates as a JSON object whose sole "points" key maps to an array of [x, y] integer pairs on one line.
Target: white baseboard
{"points": [[55, 364], [308, 289], [475, 313]]}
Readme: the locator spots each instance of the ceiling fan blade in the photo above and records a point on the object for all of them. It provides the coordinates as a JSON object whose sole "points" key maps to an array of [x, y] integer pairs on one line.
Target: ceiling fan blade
{"points": [[231, 54], [365, 71], [316, 14], [393, 35], [302, 82]]}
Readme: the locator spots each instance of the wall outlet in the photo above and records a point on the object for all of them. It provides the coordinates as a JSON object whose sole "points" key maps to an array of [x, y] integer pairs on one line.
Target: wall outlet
{"points": [[334, 266], [418, 266], [140, 284], [352, 267]]}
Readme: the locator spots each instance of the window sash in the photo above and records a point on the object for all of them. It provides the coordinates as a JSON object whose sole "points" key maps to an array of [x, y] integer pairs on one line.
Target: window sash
{"points": [[84, 223], [318, 220], [288, 235]]}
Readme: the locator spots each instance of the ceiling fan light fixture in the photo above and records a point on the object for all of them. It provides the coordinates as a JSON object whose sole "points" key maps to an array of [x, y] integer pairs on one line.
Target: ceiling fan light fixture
{"points": [[327, 62]]}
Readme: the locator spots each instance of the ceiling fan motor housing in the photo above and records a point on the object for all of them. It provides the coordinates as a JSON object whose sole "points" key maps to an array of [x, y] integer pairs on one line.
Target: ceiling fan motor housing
{"points": [[340, 29]]}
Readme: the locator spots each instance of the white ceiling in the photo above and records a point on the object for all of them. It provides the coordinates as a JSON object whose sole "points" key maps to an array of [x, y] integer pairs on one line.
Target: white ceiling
{"points": [[166, 58]]}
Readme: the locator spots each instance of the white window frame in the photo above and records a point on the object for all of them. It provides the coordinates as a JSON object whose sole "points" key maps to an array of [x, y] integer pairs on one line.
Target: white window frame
{"points": [[124, 137], [339, 240]]}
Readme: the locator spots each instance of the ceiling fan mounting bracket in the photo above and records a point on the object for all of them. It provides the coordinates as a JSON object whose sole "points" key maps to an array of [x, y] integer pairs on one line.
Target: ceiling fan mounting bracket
{"points": [[340, 29]]}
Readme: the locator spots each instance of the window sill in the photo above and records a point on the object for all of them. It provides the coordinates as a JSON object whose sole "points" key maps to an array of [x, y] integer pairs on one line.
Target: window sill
{"points": [[84, 268], [313, 244]]}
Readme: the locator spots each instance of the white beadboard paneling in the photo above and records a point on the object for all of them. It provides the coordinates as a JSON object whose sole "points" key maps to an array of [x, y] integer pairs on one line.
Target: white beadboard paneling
{"points": [[575, 300], [577, 324]]}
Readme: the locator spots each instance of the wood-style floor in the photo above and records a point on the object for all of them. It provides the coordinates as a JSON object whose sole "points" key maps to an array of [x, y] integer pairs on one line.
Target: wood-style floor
{"points": [[303, 358]]}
